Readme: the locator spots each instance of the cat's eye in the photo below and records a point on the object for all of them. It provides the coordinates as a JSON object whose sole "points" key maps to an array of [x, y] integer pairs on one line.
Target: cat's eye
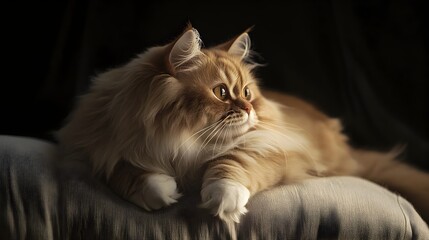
{"points": [[220, 92], [246, 93]]}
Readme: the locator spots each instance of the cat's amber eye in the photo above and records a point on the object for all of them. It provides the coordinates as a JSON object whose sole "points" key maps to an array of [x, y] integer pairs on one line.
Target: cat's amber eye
{"points": [[220, 92], [246, 93]]}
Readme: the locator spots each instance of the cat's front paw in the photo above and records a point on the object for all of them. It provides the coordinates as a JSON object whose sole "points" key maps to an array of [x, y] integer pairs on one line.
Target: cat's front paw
{"points": [[155, 192], [226, 199]]}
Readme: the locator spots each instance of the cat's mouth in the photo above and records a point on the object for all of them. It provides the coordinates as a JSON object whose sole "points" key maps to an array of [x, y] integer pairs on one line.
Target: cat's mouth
{"points": [[237, 123], [236, 119]]}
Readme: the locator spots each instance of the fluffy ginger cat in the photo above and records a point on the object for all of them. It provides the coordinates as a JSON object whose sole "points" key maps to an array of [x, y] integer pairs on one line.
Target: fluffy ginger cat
{"points": [[180, 114]]}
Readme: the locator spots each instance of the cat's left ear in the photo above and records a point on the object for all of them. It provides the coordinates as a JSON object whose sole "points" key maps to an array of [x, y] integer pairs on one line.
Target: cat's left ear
{"points": [[238, 46], [185, 49]]}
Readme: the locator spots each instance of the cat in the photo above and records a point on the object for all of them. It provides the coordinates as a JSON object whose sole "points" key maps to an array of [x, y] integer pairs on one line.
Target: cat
{"points": [[180, 114]]}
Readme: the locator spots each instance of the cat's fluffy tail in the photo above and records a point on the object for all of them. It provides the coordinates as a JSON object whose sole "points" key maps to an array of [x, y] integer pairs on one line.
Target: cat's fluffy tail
{"points": [[407, 181]]}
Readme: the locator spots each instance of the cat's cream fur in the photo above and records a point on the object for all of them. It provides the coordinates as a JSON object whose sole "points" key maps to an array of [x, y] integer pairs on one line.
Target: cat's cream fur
{"points": [[180, 114]]}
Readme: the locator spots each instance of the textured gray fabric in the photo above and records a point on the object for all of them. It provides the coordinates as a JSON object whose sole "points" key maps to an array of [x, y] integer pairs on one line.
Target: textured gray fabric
{"points": [[41, 201]]}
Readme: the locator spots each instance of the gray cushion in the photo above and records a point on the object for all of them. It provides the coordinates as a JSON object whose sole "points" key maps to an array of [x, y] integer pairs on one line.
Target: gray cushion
{"points": [[40, 200]]}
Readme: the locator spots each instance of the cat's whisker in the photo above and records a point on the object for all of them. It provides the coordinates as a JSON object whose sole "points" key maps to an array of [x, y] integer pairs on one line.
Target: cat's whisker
{"points": [[213, 134], [215, 144], [212, 128], [201, 133], [222, 132]]}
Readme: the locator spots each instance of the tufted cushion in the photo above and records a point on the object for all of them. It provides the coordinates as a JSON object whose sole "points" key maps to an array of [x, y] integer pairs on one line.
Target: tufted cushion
{"points": [[40, 200]]}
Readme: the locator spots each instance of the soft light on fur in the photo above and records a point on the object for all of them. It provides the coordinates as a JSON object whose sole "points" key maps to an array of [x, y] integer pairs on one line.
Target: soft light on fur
{"points": [[179, 114]]}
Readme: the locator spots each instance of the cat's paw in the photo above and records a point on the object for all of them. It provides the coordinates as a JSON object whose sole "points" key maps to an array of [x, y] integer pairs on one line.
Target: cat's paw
{"points": [[156, 191], [226, 199]]}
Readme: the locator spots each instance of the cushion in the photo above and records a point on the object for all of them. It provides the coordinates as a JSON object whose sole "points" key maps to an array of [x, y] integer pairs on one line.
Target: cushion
{"points": [[40, 199]]}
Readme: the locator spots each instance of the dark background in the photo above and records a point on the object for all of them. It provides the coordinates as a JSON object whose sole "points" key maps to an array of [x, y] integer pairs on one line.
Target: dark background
{"points": [[364, 61]]}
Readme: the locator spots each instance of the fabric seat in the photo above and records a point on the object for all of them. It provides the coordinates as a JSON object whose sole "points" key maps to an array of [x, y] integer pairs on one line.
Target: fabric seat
{"points": [[40, 199]]}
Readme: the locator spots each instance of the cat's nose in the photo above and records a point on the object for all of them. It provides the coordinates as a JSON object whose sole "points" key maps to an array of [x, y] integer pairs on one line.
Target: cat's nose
{"points": [[246, 106], [247, 109]]}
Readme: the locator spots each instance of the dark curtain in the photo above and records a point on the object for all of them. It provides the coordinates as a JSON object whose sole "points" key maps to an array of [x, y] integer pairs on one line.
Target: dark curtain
{"points": [[363, 61]]}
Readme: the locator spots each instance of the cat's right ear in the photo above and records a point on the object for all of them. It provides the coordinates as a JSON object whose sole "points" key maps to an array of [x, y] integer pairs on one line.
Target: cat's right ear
{"points": [[238, 46], [184, 50]]}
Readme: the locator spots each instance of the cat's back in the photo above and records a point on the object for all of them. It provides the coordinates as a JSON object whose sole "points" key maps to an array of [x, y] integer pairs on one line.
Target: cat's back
{"points": [[295, 104], [301, 114]]}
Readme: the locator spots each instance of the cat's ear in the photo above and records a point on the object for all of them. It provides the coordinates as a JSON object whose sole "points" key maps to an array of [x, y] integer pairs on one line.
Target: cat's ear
{"points": [[184, 49], [238, 46]]}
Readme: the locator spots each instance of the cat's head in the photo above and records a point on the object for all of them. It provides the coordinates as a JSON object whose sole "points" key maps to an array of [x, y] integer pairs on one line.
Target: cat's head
{"points": [[209, 92]]}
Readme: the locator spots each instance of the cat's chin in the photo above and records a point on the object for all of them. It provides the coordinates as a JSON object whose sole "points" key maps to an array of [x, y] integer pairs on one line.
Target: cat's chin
{"points": [[241, 124], [237, 131]]}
